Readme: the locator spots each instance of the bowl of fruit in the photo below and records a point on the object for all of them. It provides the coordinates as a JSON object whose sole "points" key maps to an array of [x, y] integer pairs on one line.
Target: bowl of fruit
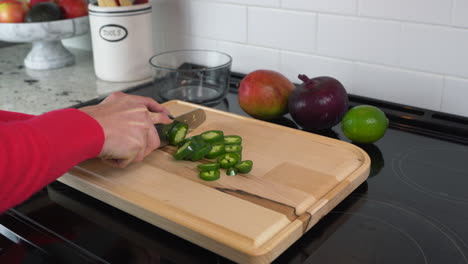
{"points": [[44, 23]]}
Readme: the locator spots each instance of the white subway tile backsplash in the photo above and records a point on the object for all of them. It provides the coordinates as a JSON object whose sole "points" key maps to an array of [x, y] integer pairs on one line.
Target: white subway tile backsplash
{"points": [[366, 40], [218, 21], [328, 6], [248, 58], [288, 30], [454, 97], [171, 14], [435, 49], [460, 13], [396, 50], [267, 3], [293, 64], [429, 11], [177, 41], [401, 86]]}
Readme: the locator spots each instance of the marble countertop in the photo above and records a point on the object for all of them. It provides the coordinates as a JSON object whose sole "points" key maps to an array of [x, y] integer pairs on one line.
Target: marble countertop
{"points": [[36, 92]]}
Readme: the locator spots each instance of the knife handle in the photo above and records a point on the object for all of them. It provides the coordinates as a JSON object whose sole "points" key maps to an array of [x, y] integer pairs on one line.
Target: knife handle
{"points": [[162, 135]]}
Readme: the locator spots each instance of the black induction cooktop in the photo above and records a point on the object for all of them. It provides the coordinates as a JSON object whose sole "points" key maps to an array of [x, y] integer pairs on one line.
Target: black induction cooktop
{"points": [[412, 209]]}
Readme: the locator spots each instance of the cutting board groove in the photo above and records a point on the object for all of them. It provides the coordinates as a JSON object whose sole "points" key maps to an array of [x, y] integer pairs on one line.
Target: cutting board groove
{"points": [[298, 177]]}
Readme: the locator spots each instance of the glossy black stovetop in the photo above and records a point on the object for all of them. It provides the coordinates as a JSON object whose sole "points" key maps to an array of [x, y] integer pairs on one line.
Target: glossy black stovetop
{"points": [[412, 209]]}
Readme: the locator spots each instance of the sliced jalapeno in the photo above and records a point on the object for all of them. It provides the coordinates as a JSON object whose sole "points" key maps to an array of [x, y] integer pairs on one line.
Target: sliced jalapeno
{"points": [[166, 129], [233, 148], [213, 136], [201, 152], [210, 175], [185, 150], [230, 140], [208, 166], [228, 160], [198, 144], [178, 133], [188, 139], [231, 171], [244, 166], [216, 150]]}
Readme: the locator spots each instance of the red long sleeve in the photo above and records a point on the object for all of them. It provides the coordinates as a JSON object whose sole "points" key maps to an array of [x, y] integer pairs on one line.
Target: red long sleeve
{"points": [[6, 116], [35, 150]]}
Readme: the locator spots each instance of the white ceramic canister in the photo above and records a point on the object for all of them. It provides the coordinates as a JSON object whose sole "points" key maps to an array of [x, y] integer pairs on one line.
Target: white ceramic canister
{"points": [[122, 42]]}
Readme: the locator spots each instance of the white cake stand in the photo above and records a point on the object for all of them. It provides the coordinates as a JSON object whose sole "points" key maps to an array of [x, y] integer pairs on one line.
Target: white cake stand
{"points": [[47, 50]]}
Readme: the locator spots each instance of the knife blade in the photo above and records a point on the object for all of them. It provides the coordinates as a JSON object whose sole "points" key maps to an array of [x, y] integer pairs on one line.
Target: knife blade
{"points": [[193, 119]]}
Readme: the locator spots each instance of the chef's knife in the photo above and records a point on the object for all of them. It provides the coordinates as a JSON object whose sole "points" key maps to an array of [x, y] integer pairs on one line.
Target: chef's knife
{"points": [[193, 119]]}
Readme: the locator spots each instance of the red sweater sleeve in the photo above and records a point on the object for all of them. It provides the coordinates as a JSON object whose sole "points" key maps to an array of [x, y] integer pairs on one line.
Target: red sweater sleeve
{"points": [[36, 150], [6, 116]]}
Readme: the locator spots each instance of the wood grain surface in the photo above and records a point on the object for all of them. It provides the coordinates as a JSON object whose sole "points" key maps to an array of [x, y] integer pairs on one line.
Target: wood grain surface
{"points": [[298, 177]]}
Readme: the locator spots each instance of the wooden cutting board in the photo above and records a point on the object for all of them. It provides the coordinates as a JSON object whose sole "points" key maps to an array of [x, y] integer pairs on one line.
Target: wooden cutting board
{"points": [[297, 178]]}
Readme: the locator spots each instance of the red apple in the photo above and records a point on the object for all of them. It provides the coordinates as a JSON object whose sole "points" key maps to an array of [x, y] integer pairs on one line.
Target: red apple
{"points": [[26, 2], [73, 8], [35, 2], [264, 94], [12, 11], [140, 2]]}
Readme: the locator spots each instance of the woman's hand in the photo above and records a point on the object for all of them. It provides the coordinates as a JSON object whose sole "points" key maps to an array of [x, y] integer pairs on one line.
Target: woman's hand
{"points": [[128, 124]]}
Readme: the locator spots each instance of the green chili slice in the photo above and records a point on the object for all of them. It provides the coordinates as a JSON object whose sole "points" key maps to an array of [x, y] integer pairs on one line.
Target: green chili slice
{"points": [[216, 150], [178, 133], [228, 160], [208, 166], [201, 152], [244, 166], [213, 136], [233, 148], [188, 139], [232, 139], [185, 150], [210, 175], [166, 129], [231, 171]]}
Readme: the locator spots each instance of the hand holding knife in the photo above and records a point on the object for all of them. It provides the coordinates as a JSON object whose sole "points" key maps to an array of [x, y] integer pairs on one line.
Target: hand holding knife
{"points": [[128, 127], [193, 119]]}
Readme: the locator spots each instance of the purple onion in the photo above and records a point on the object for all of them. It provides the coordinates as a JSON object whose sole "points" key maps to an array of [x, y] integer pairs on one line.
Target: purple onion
{"points": [[319, 103]]}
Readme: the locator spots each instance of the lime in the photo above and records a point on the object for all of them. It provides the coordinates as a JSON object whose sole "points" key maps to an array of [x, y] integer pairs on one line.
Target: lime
{"points": [[364, 124]]}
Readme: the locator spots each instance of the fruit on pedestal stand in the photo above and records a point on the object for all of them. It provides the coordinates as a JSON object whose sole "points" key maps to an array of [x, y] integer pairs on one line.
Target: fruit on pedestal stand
{"points": [[12, 11], [45, 11], [319, 103], [25, 2], [73, 8], [263, 94], [35, 2]]}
